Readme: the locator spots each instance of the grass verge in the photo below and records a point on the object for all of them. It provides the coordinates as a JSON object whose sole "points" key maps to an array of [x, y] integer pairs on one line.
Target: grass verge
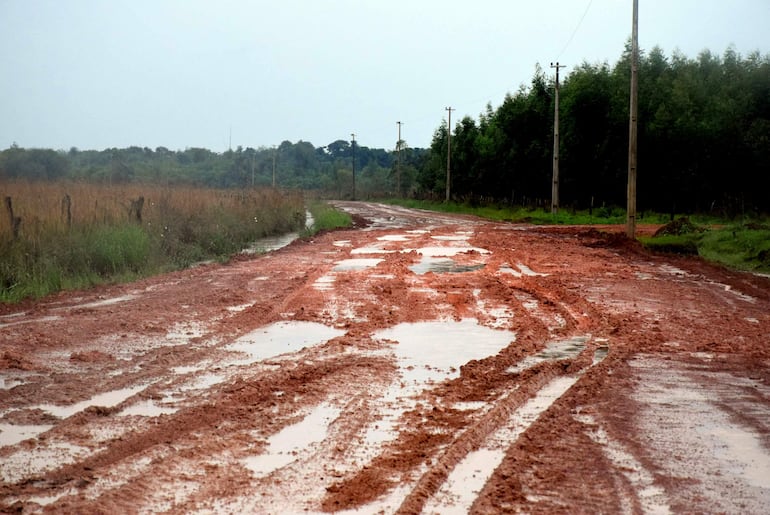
{"points": [[326, 217]]}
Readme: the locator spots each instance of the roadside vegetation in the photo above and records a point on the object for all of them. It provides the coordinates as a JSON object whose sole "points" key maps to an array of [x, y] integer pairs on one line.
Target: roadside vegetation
{"points": [[326, 217], [62, 235]]}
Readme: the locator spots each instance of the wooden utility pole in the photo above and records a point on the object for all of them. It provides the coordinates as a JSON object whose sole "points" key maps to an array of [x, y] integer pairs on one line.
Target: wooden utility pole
{"points": [[448, 151], [398, 164], [632, 129], [555, 185], [353, 147]]}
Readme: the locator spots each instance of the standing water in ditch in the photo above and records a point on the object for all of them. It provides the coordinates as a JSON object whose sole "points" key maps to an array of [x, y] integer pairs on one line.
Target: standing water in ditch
{"points": [[270, 243]]}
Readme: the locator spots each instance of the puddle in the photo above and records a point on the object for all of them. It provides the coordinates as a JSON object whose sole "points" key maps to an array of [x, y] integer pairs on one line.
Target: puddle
{"points": [[50, 318], [427, 353], [435, 351], [107, 400], [342, 243], [447, 251], [11, 434], [394, 237], [284, 447], [7, 384], [680, 410], [347, 265], [371, 250], [282, 338], [271, 243], [523, 270], [564, 349], [103, 302], [324, 283], [147, 408], [457, 237], [466, 480], [442, 266]]}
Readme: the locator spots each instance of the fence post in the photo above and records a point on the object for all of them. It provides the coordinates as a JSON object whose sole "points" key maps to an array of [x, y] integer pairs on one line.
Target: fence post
{"points": [[15, 220]]}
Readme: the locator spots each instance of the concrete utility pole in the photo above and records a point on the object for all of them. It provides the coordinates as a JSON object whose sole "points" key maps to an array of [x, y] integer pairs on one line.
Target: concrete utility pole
{"points": [[632, 130], [448, 151], [398, 165], [555, 186], [353, 147]]}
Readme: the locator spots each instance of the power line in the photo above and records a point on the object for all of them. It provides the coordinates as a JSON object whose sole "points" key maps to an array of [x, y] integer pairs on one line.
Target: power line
{"points": [[576, 29]]}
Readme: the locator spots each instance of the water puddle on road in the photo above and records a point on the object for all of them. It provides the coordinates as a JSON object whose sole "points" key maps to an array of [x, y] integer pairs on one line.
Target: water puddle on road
{"points": [[147, 408], [11, 434], [356, 264], [442, 266], [285, 447], [427, 354], [563, 349], [7, 383], [281, 338], [106, 400], [447, 251]]}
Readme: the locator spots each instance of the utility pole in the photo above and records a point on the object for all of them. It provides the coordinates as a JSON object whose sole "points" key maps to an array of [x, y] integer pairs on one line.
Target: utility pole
{"points": [[632, 127], [448, 151], [353, 147], [398, 165], [555, 185]]}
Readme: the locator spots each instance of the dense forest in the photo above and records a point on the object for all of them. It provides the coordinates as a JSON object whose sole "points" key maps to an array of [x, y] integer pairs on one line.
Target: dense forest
{"points": [[704, 145], [704, 138]]}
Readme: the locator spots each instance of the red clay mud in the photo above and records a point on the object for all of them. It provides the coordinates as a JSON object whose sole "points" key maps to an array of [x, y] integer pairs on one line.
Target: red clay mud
{"points": [[286, 382]]}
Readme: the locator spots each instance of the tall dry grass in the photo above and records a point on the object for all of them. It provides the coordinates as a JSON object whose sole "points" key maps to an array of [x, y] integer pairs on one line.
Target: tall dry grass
{"points": [[101, 237]]}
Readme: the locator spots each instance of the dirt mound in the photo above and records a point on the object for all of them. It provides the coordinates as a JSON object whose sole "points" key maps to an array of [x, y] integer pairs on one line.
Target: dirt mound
{"points": [[679, 227]]}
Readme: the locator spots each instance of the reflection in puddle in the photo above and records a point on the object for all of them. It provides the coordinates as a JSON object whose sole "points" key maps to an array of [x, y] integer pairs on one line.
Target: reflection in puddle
{"points": [[442, 265], [553, 351], [284, 447], [435, 351], [282, 338], [356, 264], [428, 353]]}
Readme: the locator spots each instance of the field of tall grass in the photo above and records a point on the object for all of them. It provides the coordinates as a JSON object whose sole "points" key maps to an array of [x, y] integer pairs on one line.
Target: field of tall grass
{"points": [[61, 235]]}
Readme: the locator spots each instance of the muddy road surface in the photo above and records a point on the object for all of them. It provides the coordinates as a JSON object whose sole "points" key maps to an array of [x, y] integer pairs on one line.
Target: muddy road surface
{"points": [[418, 363]]}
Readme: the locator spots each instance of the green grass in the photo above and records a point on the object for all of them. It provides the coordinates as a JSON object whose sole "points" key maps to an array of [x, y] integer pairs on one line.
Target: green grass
{"points": [[516, 214], [326, 217]]}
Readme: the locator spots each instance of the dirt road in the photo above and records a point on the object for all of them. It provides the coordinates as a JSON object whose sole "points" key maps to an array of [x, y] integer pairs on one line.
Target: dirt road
{"points": [[417, 363]]}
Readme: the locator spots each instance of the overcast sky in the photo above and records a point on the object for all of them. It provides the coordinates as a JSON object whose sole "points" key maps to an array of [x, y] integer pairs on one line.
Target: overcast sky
{"points": [[193, 73]]}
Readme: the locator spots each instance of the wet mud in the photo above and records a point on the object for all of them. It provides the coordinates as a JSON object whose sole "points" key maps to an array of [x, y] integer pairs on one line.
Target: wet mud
{"points": [[417, 363]]}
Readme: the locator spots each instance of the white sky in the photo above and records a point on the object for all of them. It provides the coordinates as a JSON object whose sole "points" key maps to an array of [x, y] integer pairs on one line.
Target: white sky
{"points": [[114, 73]]}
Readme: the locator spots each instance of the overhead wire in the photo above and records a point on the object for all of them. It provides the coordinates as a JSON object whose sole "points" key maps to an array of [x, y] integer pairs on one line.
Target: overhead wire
{"points": [[572, 36]]}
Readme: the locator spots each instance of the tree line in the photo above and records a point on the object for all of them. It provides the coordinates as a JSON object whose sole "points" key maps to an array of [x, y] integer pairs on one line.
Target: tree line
{"points": [[300, 166], [704, 146], [704, 138]]}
